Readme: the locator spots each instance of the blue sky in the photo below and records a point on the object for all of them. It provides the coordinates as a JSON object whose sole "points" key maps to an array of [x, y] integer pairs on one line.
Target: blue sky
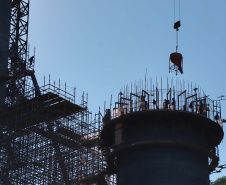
{"points": [[98, 46]]}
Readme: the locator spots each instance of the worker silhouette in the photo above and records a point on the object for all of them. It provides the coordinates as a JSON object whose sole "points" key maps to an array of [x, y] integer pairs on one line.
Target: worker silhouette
{"points": [[173, 104], [107, 117], [166, 104], [201, 107], [31, 60], [184, 107], [216, 117], [143, 105], [154, 103]]}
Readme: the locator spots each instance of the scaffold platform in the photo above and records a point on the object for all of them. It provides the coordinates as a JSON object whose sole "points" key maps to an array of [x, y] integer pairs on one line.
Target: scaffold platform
{"points": [[40, 109]]}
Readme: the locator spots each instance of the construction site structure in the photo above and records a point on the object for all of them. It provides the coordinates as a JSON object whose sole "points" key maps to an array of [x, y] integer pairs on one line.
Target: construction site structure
{"points": [[51, 140], [48, 138], [5, 11], [163, 136], [45, 137]]}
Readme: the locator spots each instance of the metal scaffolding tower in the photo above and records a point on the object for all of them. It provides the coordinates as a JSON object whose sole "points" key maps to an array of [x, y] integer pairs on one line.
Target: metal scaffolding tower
{"points": [[45, 137], [51, 140]]}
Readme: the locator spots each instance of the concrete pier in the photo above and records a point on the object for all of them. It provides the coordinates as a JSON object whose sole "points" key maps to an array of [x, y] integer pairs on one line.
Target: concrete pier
{"points": [[162, 147]]}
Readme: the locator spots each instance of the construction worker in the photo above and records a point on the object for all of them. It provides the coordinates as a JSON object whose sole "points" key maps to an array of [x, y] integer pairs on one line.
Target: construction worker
{"points": [[201, 107], [165, 104], [184, 107], [154, 102], [191, 105], [31, 60], [107, 117], [173, 104], [143, 105]]}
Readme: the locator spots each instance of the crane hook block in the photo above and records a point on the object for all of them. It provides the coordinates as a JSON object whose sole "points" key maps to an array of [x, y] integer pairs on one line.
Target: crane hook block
{"points": [[177, 25]]}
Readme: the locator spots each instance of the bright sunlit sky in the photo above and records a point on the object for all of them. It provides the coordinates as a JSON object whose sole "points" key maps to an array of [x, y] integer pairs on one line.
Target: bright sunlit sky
{"points": [[98, 46]]}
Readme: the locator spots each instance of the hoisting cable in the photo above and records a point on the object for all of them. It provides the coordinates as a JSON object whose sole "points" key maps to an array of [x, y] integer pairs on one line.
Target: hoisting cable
{"points": [[174, 11], [179, 9], [178, 29], [175, 57], [176, 24]]}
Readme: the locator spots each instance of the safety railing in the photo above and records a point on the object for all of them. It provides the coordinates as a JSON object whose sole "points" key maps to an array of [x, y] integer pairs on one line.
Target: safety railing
{"points": [[30, 92]]}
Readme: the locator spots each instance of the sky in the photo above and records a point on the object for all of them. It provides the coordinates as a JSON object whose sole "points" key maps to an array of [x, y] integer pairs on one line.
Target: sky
{"points": [[99, 46]]}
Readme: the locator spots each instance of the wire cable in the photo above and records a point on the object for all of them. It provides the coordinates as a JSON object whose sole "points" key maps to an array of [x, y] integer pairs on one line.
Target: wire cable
{"points": [[179, 9], [174, 10]]}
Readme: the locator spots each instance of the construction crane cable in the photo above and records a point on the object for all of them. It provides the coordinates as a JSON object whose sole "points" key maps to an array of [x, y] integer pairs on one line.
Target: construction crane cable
{"points": [[179, 20], [175, 57], [174, 10], [176, 40], [178, 15], [179, 9], [175, 21]]}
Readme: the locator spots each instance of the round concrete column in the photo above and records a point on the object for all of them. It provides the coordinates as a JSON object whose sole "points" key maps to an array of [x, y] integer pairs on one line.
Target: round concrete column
{"points": [[162, 147]]}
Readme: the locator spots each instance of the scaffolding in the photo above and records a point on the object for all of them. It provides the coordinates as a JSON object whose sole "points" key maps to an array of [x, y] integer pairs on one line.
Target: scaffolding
{"points": [[49, 139], [45, 137]]}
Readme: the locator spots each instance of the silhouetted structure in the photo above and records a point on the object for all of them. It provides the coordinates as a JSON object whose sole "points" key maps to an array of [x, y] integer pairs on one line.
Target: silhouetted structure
{"points": [[46, 138], [163, 146]]}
